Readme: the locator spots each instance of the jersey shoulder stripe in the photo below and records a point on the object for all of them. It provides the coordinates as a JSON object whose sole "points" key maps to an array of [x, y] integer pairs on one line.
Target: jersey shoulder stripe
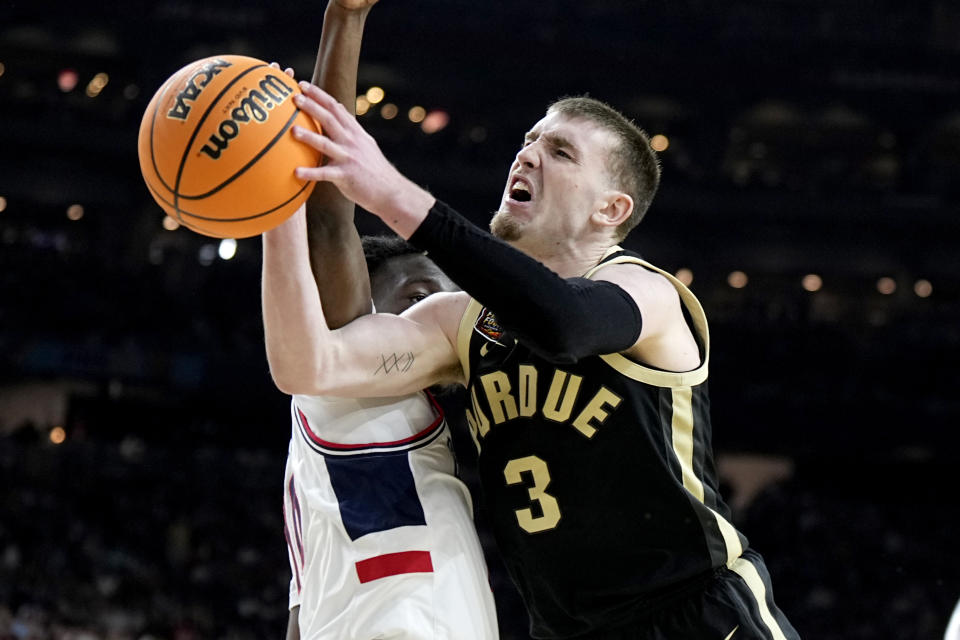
{"points": [[334, 449]]}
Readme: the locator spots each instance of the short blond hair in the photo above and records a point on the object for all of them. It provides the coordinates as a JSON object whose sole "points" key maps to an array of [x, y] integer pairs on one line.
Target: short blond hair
{"points": [[633, 164]]}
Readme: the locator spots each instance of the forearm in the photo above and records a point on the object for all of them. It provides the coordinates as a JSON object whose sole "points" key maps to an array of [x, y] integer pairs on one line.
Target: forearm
{"points": [[295, 329], [338, 57], [336, 255], [336, 258], [562, 319], [375, 355], [336, 73]]}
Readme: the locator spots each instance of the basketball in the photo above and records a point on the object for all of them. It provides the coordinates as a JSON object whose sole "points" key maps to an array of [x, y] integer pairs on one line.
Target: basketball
{"points": [[216, 148]]}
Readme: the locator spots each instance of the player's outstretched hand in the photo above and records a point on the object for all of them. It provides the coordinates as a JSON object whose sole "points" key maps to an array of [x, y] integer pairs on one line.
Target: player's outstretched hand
{"points": [[355, 164]]}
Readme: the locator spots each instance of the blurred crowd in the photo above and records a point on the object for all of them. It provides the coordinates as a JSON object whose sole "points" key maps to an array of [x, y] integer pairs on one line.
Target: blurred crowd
{"points": [[138, 538], [811, 154], [158, 516]]}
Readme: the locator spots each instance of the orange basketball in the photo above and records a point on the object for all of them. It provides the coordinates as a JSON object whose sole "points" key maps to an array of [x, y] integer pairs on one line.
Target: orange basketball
{"points": [[217, 151]]}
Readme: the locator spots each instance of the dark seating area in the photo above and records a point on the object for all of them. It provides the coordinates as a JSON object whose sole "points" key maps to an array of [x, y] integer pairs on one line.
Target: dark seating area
{"points": [[139, 539], [810, 194]]}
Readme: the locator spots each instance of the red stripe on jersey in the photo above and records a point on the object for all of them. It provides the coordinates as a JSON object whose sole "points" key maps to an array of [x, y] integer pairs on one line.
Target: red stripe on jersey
{"points": [[297, 518], [367, 445], [392, 564]]}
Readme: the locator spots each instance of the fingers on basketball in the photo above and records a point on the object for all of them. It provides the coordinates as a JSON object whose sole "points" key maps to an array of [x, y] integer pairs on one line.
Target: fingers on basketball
{"points": [[216, 148]]}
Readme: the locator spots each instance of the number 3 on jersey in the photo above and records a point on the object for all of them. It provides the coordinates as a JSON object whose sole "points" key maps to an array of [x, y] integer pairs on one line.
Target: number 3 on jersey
{"points": [[547, 503]]}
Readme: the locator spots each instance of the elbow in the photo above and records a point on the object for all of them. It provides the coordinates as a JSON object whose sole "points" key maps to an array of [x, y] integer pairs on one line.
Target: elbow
{"points": [[288, 386], [296, 379], [302, 368], [288, 383], [570, 338], [609, 326], [301, 385]]}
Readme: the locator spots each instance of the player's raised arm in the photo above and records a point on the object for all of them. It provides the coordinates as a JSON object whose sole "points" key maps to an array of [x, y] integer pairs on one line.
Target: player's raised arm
{"points": [[374, 355], [335, 252], [336, 255]]}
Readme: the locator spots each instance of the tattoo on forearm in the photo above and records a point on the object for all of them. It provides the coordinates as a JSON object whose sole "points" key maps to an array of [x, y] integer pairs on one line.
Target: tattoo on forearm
{"points": [[399, 362]]}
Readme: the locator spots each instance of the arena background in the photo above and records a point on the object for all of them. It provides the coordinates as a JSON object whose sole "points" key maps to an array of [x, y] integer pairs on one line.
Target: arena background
{"points": [[811, 189]]}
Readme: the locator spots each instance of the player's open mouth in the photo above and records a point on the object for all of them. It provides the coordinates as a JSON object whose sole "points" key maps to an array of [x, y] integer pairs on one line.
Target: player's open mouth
{"points": [[520, 191]]}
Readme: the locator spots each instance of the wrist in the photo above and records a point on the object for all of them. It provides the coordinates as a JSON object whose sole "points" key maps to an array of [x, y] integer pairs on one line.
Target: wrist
{"points": [[336, 9], [407, 207], [326, 207], [331, 227]]}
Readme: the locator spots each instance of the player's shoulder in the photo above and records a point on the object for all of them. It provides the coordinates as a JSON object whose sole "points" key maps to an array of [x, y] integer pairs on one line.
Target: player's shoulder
{"points": [[441, 303], [442, 310], [637, 275]]}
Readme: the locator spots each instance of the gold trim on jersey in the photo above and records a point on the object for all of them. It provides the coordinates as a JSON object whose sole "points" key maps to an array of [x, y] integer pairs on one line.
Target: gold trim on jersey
{"points": [[464, 333], [648, 375], [654, 377], [745, 569], [682, 428], [730, 538]]}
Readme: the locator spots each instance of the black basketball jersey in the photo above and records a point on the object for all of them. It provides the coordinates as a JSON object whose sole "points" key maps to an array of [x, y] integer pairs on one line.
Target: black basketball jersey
{"points": [[598, 477]]}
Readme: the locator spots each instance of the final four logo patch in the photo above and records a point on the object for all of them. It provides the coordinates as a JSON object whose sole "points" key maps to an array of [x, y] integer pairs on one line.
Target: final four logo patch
{"points": [[488, 327]]}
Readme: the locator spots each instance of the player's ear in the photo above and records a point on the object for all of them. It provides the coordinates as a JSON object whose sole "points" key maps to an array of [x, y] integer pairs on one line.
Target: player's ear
{"points": [[613, 208]]}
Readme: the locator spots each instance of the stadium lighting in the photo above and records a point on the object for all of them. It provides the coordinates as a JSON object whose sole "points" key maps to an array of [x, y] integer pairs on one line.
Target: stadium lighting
{"points": [[228, 248]]}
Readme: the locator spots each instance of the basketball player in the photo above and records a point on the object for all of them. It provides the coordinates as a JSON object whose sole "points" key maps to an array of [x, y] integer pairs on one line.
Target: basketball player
{"points": [[379, 530], [586, 369]]}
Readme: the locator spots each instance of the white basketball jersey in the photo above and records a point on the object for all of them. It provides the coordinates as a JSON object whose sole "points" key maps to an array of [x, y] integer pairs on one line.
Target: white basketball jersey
{"points": [[379, 530]]}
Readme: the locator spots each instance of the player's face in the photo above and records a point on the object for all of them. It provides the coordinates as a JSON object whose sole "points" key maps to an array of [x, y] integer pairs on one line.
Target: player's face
{"points": [[556, 182], [401, 282]]}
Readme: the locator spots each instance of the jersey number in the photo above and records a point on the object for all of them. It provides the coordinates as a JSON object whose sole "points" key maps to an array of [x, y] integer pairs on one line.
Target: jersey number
{"points": [[549, 508]]}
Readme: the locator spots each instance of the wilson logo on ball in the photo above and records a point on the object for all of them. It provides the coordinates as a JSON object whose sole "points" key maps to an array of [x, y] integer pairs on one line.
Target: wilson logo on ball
{"points": [[195, 85], [250, 107], [216, 149]]}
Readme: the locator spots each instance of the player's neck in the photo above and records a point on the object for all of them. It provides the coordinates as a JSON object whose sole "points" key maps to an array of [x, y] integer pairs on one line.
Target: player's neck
{"points": [[570, 260]]}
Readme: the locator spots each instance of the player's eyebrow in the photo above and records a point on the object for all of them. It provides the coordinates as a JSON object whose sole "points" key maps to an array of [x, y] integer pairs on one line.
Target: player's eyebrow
{"points": [[553, 139], [558, 140], [419, 280]]}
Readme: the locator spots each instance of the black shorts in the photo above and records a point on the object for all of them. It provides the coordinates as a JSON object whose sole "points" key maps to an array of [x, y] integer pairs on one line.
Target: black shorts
{"points": [[736, 604]]}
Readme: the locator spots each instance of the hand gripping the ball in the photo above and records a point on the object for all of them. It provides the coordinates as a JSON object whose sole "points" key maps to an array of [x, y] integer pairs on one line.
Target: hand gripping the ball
{"points": [[289, 70], [357, 166]]}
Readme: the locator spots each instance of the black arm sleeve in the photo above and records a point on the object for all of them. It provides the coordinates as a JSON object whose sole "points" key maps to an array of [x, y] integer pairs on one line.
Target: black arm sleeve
{"points": [[562, 320]]}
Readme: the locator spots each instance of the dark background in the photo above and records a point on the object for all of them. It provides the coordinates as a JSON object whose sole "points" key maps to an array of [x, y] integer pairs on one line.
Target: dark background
{"points": [[805, 137]]}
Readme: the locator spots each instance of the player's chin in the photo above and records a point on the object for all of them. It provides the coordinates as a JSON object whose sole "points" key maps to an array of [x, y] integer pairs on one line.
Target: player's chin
{"points": [[505, 226]]}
